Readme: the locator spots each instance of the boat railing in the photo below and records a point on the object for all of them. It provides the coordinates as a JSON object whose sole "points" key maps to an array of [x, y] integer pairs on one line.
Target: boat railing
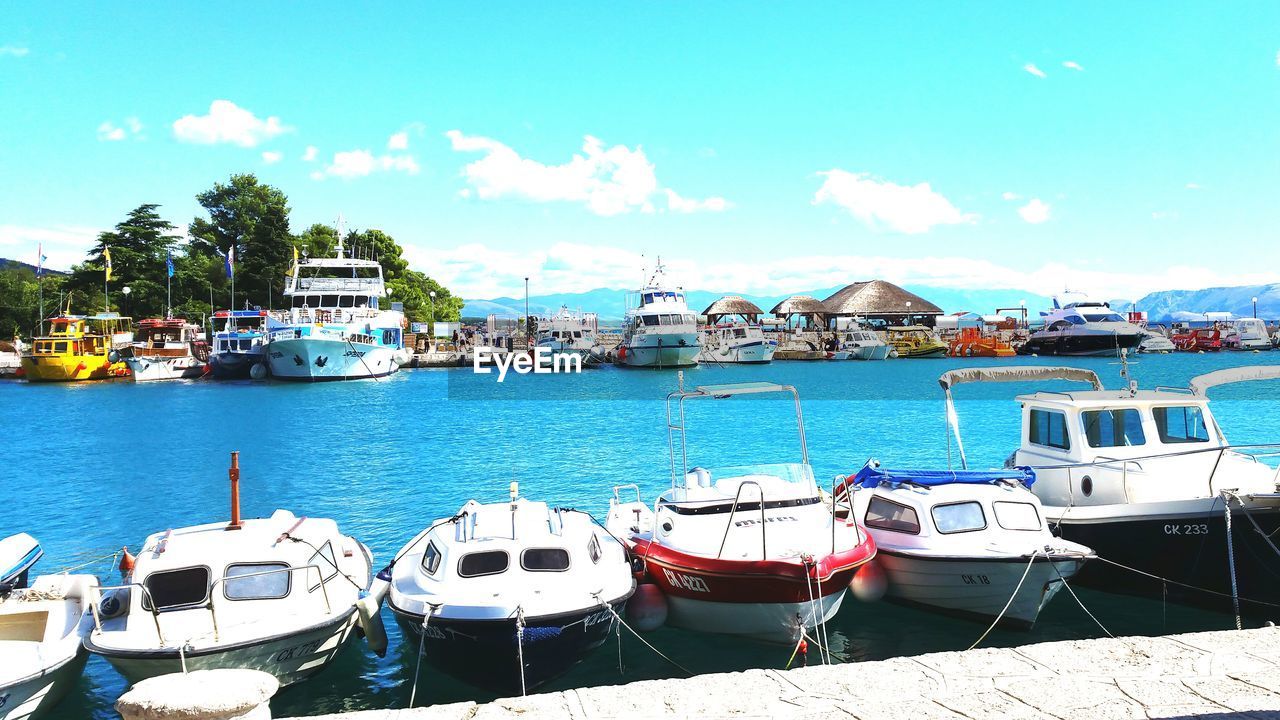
{"points": [[323, 284], [617, 498], [764, 553], [213, 611]]}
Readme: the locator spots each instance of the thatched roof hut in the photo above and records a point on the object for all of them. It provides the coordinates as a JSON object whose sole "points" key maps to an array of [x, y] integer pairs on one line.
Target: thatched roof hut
{"points": [[877, 299], [732, 305], [800, 306]]}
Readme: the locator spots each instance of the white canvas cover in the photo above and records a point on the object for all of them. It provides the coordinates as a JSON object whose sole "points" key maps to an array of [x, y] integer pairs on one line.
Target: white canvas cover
{"points": [[1201, 383], [1020, 373]]}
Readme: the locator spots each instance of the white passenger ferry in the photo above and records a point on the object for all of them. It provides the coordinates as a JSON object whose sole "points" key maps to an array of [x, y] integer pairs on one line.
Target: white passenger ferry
{"points": [[659, 330]]}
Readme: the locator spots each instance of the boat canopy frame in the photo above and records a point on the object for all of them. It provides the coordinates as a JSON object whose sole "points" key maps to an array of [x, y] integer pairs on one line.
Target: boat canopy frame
{"points": [[1201, 384]]}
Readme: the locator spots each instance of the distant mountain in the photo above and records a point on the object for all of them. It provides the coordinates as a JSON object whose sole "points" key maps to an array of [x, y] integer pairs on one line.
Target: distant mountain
{"points": [[6, 264], [1167, 305]]}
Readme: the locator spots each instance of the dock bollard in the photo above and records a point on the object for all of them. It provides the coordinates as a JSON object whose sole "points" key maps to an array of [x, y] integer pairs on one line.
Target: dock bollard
{"points": [[201, 695]]}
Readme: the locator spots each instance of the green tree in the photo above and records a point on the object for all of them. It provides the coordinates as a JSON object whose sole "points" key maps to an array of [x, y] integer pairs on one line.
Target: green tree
{"points": [[318, 241], [253, 218], [139, 245]]}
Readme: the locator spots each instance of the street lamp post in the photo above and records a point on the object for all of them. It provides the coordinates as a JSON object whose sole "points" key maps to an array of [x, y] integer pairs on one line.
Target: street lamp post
{"points": [[1023, 304], [431, 323], [908, 312], [1255, 307], [526, 308], [126, 290]]}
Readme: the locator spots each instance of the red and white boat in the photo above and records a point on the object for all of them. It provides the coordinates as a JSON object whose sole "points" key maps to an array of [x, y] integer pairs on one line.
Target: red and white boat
{"points": [[747, 550]]}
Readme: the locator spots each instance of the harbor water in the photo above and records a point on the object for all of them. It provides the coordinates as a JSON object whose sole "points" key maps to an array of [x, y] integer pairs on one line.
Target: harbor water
{"points": [[91, 467]]}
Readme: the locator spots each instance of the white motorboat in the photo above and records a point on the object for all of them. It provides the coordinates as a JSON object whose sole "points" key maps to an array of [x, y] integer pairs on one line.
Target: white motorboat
{"points": [[1247, 334], [737, 343], [41, 650], [1155, 339], [239, 348], [501, 584], [1148, 480], [568, 333], [336, 327], [742, 550], [659, 330], [1078, 326], [864, 345], [166, 349], [17, 554], [972, 543], [280, 594]]}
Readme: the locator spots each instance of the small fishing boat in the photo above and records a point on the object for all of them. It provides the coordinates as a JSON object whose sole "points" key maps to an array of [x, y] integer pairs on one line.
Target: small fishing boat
{"points": [[239, 348], [737, 343], [971, 543], [509, 595], [17, 554], [79, 348], [972, 342], [915, 341], [166, 349], [659, 330], [41, 650], [568, 333], [743, 550], [1189, 339], [280, 594], [864, 345]]}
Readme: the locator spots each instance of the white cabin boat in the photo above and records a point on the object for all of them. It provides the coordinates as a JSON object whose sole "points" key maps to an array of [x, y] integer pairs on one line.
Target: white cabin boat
{"points": [[970, 543], [737, 343], [506, 583], [166, 349], [239, 348], [41, 650], [336, 327], [1247, 334], [659, 330], [864, 345], [1079, 326], [568, 333]]}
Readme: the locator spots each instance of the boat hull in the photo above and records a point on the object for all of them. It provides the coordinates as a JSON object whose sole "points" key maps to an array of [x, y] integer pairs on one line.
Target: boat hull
{"points": [[234, 365], [151, 368], [660, 351], [290, 658], [1187, 548], [1096, 344], [869, 352], [72, 368], [485, 653], [756, 353], [978, 587], [34, 697], [312, 359]]}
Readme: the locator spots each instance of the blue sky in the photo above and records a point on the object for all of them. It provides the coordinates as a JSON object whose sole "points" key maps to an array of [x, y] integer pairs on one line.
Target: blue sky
{"points": [[756, 147]]}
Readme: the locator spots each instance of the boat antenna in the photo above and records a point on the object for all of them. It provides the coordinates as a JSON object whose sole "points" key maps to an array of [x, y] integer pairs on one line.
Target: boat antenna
{"points": [[515, 493], [341, 226], [1125, 374]]}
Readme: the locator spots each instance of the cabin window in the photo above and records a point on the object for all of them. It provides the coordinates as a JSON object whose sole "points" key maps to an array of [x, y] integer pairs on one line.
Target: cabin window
{"points": [[1181, 424], [329, 301], [1048, 428], [959, 517], [1016, 515], [299, 301], [347, 301], [648, 298], [739, 333], [60, 347], [271, 586], [650, 319], [1113, 428], [593, 550], [478, 564], [175, 589], [888, 515], [545, 559], [431, 559], [328, 564]]}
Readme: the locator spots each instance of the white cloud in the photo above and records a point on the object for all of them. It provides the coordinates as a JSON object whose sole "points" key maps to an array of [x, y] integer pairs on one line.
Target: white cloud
{"points": [[398, 141], [310, 154], [271, 157], [352, 164], [108, 132], [134, 125], [227, 123], [65, 245], [608, 181], [1035, 212], [1010, 196], [1073, 65], [1031, 68], [1194, 186], [881, 204], [13, 51]]}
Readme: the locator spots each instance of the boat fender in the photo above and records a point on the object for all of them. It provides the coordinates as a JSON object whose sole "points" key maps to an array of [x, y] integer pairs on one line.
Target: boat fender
{"points": [[113, 356], [114, 603], [258, 371], [647, 608], [127, 561], [869, 583], [369, 609]]}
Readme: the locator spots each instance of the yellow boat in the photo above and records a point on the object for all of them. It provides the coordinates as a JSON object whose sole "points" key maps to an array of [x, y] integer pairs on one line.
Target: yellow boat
{"points": [[915, 341], [79, 348]]}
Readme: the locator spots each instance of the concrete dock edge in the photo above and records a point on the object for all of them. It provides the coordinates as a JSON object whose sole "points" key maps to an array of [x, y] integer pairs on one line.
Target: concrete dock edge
{"points": [[1222, 674]]}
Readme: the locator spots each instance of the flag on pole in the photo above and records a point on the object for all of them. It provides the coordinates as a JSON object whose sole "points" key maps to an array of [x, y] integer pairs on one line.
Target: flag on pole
{"points": [[106, 258], [230, 259], [41, 257], [295, 260], [168, 262]]}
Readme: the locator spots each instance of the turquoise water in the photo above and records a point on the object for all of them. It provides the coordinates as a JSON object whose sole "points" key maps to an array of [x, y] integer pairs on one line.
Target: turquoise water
{"points": [[91, 467]]}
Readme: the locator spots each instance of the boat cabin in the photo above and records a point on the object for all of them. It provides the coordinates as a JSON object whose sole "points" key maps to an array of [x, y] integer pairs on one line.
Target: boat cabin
{"points": [[169, 337], [80, 335]]}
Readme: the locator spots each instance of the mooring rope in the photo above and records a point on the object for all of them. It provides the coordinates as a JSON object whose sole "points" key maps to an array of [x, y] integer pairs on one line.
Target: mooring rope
{"points": [[1182, 584], [422, 637], [1005, 609], [115, 556], [520, 646], [631, 630], [1079, 602], [1231, 558]]}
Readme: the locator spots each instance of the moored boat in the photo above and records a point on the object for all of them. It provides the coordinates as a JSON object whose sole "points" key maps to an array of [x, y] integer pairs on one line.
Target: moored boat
{"points": [[568, 333], [659, 330], [864, 345], [79, 348], [1078, 326], [737, 343], [742, 550], [1247, 334], [166, 349], [1189, 339], [915, 341], [41, 650], [509, 595], [239, 347], [970, 543], [972, 342], [17, 554]]}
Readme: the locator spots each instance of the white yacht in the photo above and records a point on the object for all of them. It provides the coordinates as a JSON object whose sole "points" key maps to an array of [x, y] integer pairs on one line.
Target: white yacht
{"points": [[970, 543], [1079, 326], [568, 332], [1247, 334], [864, 345], [1148, 480], [1155, 339], [280, 594], [737, 343], [41, 643], [336, 327], [659, 329], [166, 349], [509, 595]]}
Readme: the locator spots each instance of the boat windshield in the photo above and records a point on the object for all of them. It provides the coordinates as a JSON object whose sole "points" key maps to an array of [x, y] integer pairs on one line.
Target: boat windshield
{"points": [[1103, 317]]}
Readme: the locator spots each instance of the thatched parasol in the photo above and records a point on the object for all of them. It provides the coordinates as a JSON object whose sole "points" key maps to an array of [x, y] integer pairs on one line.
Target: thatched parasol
{"points": [[877, 298], [732, 305]]}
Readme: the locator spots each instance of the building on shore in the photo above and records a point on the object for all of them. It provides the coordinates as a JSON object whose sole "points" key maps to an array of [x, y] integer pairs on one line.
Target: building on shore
{"points": [[878, 300], [731, 305], [799, 309]]}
